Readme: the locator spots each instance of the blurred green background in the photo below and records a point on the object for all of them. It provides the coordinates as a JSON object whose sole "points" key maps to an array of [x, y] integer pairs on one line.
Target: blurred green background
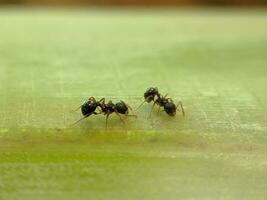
{"points": [[138, 2], [213, 59]]}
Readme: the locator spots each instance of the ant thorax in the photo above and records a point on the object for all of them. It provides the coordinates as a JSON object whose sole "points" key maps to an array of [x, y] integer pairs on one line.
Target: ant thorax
{"points": [[108, 108], [161, 101]]}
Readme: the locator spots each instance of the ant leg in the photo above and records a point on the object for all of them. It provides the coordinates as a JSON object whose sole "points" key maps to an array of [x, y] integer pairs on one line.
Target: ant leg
{"points": [[102, 100], [158, 94], [100, 112], [130, 108], [91, 98], [107, 120], [158, 109], [152, 109], [101, 103], [165, 96], [169, 99], [120, 118], [140, 105], [181, 105], [80, 119]]}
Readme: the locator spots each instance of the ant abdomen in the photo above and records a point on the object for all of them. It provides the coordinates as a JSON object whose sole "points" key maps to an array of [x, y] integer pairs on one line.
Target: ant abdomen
{"points": [[121, 108], [170, 108]]}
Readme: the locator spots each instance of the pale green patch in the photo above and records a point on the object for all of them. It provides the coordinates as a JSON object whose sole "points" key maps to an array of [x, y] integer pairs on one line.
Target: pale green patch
{"points": [[214, 61]]}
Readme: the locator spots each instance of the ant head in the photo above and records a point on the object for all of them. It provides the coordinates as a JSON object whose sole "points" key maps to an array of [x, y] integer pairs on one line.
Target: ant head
{"points": [[150, 94], [161, 101], [89, 106]]}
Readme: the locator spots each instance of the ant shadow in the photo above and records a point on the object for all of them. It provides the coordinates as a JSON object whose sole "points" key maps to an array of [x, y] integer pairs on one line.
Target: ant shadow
{"points": [[160, 121], [97, 124]]}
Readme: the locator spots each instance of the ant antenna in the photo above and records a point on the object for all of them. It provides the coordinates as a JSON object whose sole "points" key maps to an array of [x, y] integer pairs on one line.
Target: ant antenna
{"points": [[181, 105], [80, 120], [120, 118], [76, 109], [133, 115], [152, 109], [140, 105]]}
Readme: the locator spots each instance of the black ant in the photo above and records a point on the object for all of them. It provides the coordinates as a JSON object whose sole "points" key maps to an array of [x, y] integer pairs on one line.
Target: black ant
{"points": [[89, 107], [167, 103], [118, 108]]}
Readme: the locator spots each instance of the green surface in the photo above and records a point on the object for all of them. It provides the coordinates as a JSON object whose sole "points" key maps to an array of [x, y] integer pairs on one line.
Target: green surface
{"points": [[215, 61]]}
